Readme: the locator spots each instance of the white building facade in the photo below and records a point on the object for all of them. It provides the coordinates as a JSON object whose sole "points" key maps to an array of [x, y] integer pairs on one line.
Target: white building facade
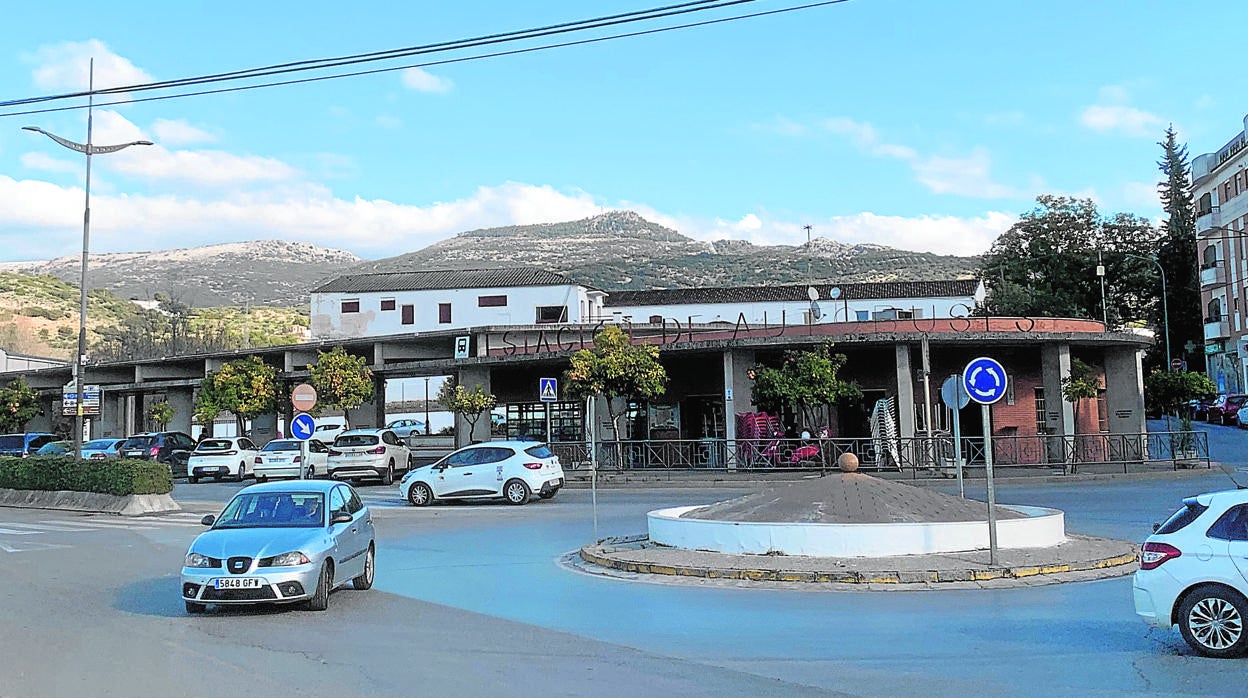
{"points": [[366, 305], [1220, 191], [791, 305]]}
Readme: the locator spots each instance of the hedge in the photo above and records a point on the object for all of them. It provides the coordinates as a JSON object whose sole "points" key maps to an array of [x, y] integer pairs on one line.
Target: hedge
{"points": [[53, 473]]}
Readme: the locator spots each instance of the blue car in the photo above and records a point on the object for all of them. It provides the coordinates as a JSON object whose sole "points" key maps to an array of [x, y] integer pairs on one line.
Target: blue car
{"points": [[22, 445]]}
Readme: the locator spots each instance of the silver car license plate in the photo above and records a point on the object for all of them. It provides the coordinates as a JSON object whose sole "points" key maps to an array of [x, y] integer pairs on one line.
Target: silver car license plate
{"points": [[238, 582]]}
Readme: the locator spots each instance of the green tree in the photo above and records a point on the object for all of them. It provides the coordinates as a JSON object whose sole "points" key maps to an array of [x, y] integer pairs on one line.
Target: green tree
{"points": [[807, 382], [1169, 392], [470, 404], [1082, 383], [161, 413], [1045, 264], [19, 403], [246, 387], [208, 403], [342, 381], [1177, 254], [618, 371]]}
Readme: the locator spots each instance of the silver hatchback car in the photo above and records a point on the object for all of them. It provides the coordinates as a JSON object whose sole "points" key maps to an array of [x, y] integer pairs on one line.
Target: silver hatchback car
{"points": [[281, 542]]}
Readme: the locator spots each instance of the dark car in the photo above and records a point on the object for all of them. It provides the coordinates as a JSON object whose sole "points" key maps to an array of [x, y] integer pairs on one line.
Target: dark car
{"points": [[1223, 410], [170, 447], [23, 445], [1199, 408]]}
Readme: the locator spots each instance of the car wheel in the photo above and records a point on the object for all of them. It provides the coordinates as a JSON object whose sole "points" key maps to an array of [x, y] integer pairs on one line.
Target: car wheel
{"points": [[364, 582], [193, 480], [516, 492], [242, 472], [1212, 618], [262, 478], [195, 608], [311, 473], [387, 478], [320, 599], [411, 461], [420, 495]]}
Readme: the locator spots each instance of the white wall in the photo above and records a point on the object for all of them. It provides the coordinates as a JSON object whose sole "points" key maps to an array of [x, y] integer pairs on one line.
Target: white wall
{"points": [[794, 312], [328, 321]]}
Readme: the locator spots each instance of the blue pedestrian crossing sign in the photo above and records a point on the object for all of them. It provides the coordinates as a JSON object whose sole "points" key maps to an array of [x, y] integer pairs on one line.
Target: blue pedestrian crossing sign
{"points": [[302, 426], [548, 389], [985, 380]]}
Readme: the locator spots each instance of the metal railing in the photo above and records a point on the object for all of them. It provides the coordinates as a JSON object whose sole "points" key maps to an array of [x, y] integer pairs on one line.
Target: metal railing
{"points": [[913, 455]]}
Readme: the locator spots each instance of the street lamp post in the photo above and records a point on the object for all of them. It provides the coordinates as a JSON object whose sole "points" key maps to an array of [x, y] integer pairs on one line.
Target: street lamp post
{"points": [[1165, 308], [87, 149], [428, 431]]}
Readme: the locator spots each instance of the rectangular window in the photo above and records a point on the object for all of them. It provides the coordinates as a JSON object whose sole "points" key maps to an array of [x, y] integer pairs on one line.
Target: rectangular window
{"points": [[862, 315], [1042, 420], [387, 304], [491, 301], [552, 313], [444, 313], [409, 315], [351, 306], [1102, 412]]}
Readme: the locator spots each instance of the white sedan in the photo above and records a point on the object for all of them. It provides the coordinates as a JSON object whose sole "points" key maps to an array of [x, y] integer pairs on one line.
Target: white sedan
{"points": [[286, 458], [221, 458], [511, 470]]}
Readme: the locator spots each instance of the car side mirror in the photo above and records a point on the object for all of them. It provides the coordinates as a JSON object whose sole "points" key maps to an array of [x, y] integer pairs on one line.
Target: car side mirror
{"points": [[208, 520], [340, 517], [1156, 526]]}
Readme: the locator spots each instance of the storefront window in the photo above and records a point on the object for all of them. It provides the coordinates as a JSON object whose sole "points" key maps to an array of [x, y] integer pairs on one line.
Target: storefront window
{"points": [[527, 421]]}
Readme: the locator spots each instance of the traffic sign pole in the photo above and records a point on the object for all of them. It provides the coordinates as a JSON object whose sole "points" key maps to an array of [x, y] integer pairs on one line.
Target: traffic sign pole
{"points": [[985, 381], [992, 495]]}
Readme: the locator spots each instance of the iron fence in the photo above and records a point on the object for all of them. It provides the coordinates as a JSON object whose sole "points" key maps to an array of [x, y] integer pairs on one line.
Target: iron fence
{"points": [[913, 455]]}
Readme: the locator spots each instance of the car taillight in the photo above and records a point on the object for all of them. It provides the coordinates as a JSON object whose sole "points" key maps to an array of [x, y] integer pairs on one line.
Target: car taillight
{"points": [[377, 451], [332, 452], [1152, 555], [298, 459], [154, 450], [97, 456], [533, 466], [258, 460]]}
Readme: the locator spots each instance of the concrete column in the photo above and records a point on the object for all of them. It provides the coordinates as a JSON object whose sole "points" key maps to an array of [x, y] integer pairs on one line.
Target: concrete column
{"points": [[905, 392], [132, 404], [108, 423], [264, 428], [183, 403], [1124, 390], [49, 406], [371, 415], [470, 376], [1055, 366]]}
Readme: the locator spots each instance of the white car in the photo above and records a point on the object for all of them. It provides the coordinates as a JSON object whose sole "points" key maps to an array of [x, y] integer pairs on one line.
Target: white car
{"points": [[328, 429], [512, 470], [1241, 418], [221, 458], [285, 458], [1194, 573], [368, 453]]}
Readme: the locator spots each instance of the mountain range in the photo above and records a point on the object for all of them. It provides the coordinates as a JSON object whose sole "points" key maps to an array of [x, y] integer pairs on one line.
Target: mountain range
{"points": [[615, 250]]}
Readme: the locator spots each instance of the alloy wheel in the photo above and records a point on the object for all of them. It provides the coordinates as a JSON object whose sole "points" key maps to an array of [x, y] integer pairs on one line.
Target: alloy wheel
{"points": [[1216, 623]]}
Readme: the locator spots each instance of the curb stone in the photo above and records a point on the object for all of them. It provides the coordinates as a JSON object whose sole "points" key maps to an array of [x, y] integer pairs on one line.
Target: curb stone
{"points": [[129, 505]]}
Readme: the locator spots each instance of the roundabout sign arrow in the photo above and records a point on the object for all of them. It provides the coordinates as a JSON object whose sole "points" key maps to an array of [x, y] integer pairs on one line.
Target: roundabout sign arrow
{"points": [[984, 380]]}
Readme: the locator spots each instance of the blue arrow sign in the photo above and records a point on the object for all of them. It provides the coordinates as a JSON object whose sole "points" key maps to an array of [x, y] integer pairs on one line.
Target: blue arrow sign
{"points": [[984, 380], [302, 426]]}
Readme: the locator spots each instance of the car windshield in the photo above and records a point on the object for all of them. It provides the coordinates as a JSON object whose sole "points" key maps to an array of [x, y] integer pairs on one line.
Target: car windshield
{"points": [[539, 451], [273, 510], [281, 446], [139, 442], [12, 442], [215, 445], [356, 440], [100, 444], [1181, 518]]}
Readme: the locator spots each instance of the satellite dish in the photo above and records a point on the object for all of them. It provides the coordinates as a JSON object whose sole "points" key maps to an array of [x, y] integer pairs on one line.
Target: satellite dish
{"points": [[812, 293], [835, 292], [815, 312]]}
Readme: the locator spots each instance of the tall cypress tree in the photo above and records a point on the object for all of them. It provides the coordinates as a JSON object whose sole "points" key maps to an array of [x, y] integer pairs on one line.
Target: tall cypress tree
{"points": [[1177, 255]]}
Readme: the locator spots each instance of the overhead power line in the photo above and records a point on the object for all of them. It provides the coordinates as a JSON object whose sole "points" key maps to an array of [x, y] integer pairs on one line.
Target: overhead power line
{"points": [[393, 54]]}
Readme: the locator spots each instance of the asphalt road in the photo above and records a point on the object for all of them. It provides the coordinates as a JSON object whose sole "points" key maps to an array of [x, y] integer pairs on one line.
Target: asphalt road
{"points": [[471, 600]]}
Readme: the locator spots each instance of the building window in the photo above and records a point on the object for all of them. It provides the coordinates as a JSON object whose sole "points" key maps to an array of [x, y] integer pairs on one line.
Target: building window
{"points": [[444, 313], [491, 301], [1102, 412], [1042, 418], [1205, 204], [1214, 311], [387, 304], [862, 315], [552, 313], [656, 319], [409, 315], [351, 306]]}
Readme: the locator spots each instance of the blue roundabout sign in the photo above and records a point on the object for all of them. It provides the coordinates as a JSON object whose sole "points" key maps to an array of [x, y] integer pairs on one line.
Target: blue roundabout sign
{"points": [[985, 380]]}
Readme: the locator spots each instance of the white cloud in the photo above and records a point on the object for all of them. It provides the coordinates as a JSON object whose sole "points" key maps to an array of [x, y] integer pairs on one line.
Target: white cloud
{"points": [[66, 66], [47, 163], [422, 81], [179, 132], [969, 176], [1126, 120]]}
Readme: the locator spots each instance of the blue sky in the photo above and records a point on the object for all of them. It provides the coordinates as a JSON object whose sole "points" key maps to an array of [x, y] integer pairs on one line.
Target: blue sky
{"points": [[921, 125]]}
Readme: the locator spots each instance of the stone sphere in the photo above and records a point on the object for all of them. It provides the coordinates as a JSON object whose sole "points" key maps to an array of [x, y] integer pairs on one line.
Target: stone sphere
{"points": [[847, 462]]}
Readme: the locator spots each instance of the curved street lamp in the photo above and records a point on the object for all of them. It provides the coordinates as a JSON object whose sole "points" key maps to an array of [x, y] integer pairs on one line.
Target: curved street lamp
{"points": [[87, 149]]}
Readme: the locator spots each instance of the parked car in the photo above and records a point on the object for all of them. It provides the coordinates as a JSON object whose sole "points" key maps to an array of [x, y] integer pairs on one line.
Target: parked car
{"points": [[23, 445], [512, 470], [102, 449], [1241, 417], [368, 453], [283, 458], [1199, 408], [1194, 573], [281, 542], [1223, 409], [405, 428], [328, 429], [170, 447], [221, 458], [56, 448]]}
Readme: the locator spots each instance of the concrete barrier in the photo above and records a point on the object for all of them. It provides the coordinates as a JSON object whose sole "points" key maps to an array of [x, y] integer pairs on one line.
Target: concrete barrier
{"points": [[129, 505]]}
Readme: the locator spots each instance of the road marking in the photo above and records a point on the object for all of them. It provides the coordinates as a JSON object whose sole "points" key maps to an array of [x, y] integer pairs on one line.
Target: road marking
{"points": [[11, 532], [27, 547], [92, 524], [47, 527]]}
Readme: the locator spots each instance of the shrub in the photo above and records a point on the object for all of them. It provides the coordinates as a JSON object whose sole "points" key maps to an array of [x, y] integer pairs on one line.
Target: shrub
{"points": [[55, 473]]}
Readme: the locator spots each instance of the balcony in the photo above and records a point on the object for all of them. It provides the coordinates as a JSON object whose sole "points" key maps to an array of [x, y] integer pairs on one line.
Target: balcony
{"points": [[1217, 328], [1212, 274], [1208, 220]]}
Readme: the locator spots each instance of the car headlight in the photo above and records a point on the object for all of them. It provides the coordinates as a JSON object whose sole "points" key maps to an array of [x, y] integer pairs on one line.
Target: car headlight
{"points": [[290, 559], [197, 560]]}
